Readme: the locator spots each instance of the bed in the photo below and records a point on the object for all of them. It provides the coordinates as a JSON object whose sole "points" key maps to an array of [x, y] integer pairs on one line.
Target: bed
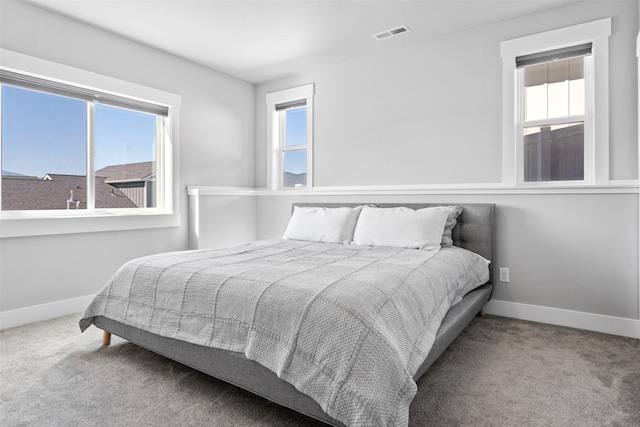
{"points": [[247, 365]]}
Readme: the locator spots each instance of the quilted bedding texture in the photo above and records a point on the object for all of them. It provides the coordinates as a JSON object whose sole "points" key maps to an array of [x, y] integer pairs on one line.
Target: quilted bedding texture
{"points": [[347, 325]]}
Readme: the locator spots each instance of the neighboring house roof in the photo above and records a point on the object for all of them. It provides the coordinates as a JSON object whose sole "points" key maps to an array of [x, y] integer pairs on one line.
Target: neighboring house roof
{"points": [[131, 172], [53, 191]]}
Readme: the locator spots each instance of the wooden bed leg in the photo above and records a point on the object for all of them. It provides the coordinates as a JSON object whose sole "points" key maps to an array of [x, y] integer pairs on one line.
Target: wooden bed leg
{"points": [[106, 338], [482, 313]]}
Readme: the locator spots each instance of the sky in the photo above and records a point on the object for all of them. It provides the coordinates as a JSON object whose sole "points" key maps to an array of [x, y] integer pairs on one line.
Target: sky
{"points": [[43, 133]]}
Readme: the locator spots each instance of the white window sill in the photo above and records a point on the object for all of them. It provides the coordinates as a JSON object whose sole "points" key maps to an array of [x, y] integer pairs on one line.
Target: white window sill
{"points": [[21, 225]]}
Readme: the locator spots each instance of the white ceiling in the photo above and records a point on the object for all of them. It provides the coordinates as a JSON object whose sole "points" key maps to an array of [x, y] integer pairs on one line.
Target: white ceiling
{"points": [[261, 40]]}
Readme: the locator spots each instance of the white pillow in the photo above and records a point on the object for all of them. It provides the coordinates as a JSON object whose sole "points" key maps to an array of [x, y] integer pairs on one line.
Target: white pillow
{"points": [[327, 225], [400, 227], [453, 212]]}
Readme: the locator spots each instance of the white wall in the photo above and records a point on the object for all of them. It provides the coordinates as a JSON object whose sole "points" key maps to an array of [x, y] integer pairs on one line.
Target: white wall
{"points": [[216, 146], [431, 114], [221, 220]]}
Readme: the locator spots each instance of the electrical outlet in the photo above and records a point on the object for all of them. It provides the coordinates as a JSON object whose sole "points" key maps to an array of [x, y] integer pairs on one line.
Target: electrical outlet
{"points": [[504, 275]]}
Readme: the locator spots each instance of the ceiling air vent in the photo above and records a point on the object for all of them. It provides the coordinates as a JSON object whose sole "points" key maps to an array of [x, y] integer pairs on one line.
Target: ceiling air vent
{"points": [[391, 33]]}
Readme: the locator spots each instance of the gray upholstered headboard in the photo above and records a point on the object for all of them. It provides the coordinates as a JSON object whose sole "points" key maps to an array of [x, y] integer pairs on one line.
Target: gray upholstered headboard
{"points": [[474, 230]]}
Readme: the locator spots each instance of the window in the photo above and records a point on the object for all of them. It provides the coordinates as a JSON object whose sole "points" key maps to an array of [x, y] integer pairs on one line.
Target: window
{"points": [[293, 134], [551, 117], [291, 131], [553, 134], [67, 147]]}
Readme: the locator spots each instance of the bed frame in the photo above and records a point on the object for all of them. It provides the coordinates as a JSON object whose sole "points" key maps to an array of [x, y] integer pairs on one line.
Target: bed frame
{"points": [[474, 231]]}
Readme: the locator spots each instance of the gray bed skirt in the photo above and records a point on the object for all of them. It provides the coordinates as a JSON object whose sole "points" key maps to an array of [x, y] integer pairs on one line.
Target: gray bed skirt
{"points": [[236, 369]]}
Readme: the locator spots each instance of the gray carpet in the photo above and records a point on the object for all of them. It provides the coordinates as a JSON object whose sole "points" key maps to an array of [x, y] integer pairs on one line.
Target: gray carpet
{"points": [[499, 372]]}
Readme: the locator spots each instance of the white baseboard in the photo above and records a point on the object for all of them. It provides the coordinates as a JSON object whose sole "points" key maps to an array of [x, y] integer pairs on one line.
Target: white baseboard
{"points": [[535, 313], [36, 313], [573, 319]]}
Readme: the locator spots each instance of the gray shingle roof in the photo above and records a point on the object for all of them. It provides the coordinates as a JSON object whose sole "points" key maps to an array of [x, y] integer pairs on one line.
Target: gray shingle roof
{"points": [[29, 193], [130, 172]]}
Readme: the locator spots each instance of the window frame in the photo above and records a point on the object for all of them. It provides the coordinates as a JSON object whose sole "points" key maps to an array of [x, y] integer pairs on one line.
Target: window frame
{"points": [[276, 124], [596, 120], [47, 222]]}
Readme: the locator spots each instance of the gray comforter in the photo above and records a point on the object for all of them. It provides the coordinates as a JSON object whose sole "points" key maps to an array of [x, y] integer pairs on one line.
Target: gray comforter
{"points": [[347, 325]]}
